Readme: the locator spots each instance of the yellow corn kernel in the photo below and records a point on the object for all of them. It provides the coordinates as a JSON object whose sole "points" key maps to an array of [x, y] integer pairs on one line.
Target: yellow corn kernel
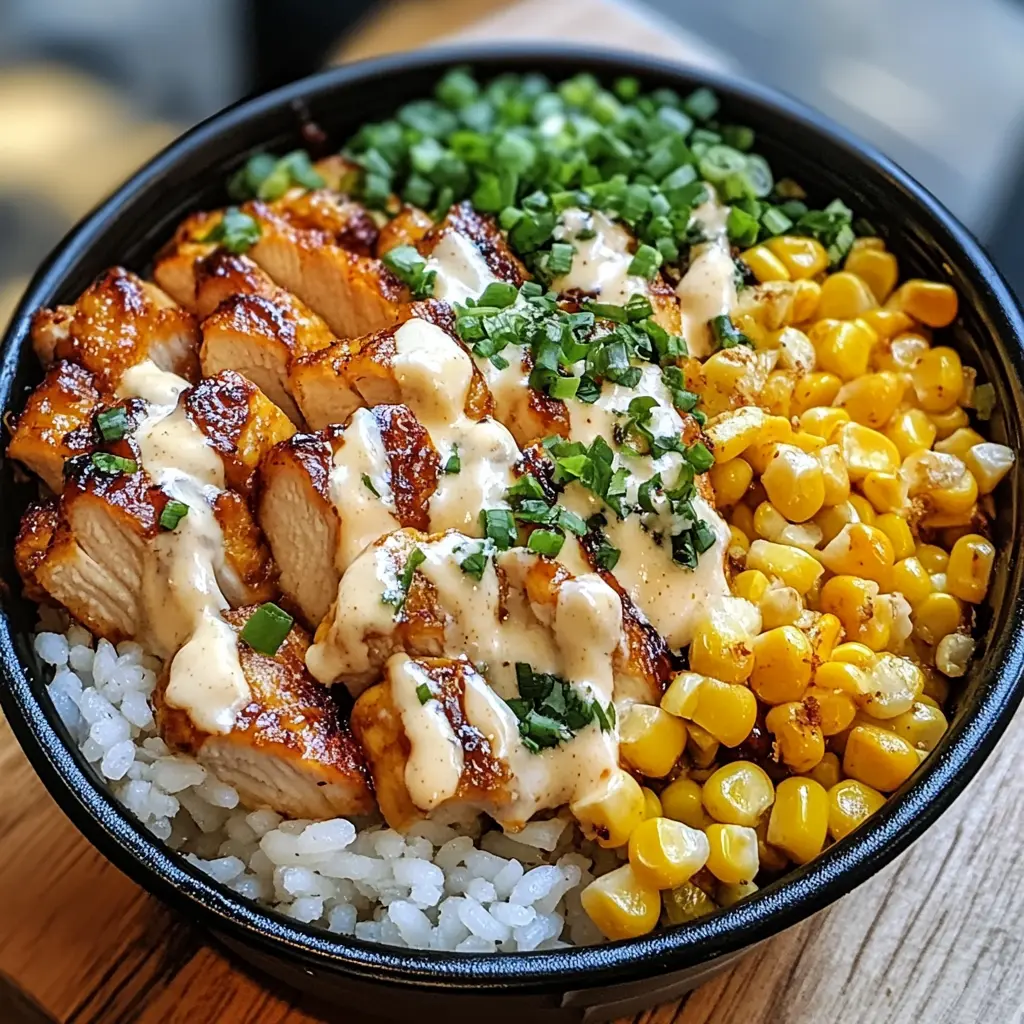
{"points": [[938, 380], [868, 242], [897, 529], [799, 819], [931, 302], [854, 653], [721, 648], [878, 758], [960, 442], [806, 296], [730, 432], [843, 347], [989, 463], [750, 585], [687, 903], [836, 709], [730, 480], [922, 726], [827, 772], [950, 420], [824, 633], [682, 800], [943, 480], [610, 814], [936, 616], [770, 858], [765, 265], [872, 399], [798, 738], [730, 377], [822, 420], [970, 567], [796, 568], [726, 711], [932, 557], [830, 520], [911, 579], [732, 856], [860, 550], [783, 659], [651, 740], [849, 803], [864, 509], [802, 257], [893, 686], [738, 794], [865, 450], [701, 746], [742, 518], [835, 476], [665, 853], [780, 606], [794, 482], [844, 296], [738, 540], [886, 492], [886, 323], [652, 805], [877, 269], [769, 522], [813, 390], [777, 393], [680, 698], [854, 601], [911, 431], [728, 895], [621, 905], [810, 443], [775, 428]]}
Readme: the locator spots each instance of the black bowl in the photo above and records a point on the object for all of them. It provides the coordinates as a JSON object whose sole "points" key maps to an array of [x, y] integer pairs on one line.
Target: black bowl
{"points": [[620, 977]]}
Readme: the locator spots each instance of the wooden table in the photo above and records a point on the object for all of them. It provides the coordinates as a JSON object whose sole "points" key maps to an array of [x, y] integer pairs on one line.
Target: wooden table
{"points": [[936, 937]]}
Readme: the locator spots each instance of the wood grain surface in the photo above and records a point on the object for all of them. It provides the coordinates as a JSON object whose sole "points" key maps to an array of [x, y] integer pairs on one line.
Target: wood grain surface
{"points": [[937, 937]]}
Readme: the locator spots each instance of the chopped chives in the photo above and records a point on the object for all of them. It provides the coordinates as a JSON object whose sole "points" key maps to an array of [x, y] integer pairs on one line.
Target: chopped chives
{"points": [[115, 464], [266, 629], [645, 262], [173, 513], [423, 693], [499, 525], [235, 231], [546, 542], [368, 484], [112, 423], [454, 463]]}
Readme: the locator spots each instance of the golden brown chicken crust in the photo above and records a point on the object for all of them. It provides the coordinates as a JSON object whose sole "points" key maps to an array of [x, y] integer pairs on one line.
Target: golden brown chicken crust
{"points": [[331, 384], [56, 422], [245, 550], [175, 268], [413, 461], [377, 725], [292, 720], [348, 224], [239, 421], [119, 321], [407, 227], [35, 533]]}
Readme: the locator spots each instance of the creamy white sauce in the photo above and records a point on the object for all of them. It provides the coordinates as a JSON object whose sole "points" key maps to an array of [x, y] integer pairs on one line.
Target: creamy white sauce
{"points": [[181, 594], [708, 288], [364, 517], [461, 270], [600, 266]]}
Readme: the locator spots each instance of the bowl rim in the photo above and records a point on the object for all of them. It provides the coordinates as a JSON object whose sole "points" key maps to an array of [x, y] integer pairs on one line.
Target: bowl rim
{"points": [[773, 909]]}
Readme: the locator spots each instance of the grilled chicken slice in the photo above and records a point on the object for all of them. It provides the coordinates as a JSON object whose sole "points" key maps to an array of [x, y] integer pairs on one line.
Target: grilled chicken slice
{"points": [[289, 748], [407, 227], [56, 423], [323, 498], [258, 329], [35, 532], [118, 322], [174, 268], [354, 293], [329, 385], [474, 775]]}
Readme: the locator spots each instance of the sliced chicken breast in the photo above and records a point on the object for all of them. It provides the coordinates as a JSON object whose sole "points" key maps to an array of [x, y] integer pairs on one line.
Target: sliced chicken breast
{"points": [[407, 227], [174, 268], [119, 322], [35, 532], [56, 423], [289, 749]]}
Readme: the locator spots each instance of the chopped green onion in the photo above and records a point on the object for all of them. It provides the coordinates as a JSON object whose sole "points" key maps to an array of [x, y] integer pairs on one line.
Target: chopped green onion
{"points": [[726, 333], [235, 231], [396, 594], [546, 542], [743, 229], [112, 423], [563, 387], [454, 463], [775, 222], [560, 259], [645, 262], [498, 294], [474, 559], [984, 401], [423, 693], [266, 629], [410, 267], [499, 526], [698, 456], [368, 484], [173, 513], [108, 463], [701, 104]]}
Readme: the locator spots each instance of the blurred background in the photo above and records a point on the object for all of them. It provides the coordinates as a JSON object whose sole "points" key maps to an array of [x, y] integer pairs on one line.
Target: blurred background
{"points": [[89, 89]]}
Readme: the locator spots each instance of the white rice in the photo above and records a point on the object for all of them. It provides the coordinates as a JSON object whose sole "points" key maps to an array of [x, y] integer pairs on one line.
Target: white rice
{"points": [[439, 887]]}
